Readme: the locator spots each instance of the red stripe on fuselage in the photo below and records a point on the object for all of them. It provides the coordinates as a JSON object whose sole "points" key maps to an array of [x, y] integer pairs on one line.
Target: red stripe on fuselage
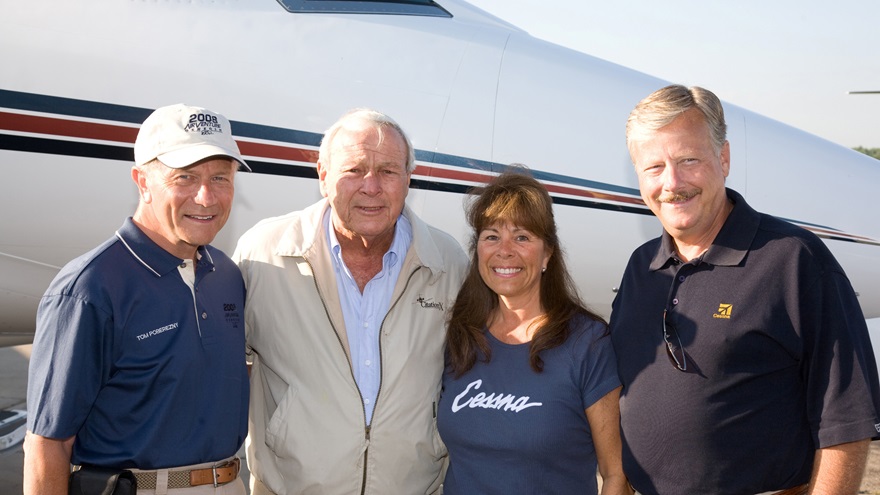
{"points": [[426, 171], [62, 127], [261, 150], [108, 132], [593, 194]]}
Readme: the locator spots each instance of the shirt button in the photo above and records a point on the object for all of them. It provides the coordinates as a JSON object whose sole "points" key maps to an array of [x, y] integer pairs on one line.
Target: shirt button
{"points": [[183, 265], [368, 362], [681, 278], [204, 316], [675, 301], [366, 401]]}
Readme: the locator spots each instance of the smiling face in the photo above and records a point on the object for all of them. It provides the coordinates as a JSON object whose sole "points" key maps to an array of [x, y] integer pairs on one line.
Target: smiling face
{"points": [[510, 261], [366, 181], [681, 179], [182, 209]]}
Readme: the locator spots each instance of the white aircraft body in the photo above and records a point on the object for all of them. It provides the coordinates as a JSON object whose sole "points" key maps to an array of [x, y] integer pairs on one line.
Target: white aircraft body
{"points": [[474, 93]]}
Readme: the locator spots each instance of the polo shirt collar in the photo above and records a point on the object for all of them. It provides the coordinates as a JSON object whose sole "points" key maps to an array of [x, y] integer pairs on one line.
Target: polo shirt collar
{"points": [[155, 259], [666, 254], [730, 245]]}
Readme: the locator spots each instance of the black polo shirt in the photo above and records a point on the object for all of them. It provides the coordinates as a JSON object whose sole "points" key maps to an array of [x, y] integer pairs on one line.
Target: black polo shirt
{"points": [[779, 362]]}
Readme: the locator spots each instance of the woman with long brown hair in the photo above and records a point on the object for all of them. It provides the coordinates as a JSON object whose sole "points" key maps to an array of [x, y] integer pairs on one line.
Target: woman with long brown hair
{"points": [[530, 391]]}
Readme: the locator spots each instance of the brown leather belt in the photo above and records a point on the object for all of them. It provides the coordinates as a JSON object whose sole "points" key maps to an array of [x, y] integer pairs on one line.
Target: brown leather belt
{"points": [[217, 475]]}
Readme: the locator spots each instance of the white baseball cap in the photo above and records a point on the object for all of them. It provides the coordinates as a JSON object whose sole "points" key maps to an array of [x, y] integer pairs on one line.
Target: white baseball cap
{"points": [[180, 135]]}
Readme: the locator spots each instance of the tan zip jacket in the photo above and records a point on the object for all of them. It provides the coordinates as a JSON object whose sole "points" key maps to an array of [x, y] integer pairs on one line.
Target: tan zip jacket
{"points": [[307, 432]]}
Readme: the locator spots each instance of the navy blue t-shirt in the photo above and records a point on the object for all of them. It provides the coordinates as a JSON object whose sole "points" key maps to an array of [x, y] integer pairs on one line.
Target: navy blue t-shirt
{"points": [[144, 371], [509, 429]]}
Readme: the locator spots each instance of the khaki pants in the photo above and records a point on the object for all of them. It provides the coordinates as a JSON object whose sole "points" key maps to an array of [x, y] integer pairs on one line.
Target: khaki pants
{"points": [[798, 490], [258, 488]]}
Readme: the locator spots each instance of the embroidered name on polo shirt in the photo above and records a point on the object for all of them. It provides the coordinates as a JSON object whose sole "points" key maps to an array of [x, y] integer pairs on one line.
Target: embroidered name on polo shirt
{"points": [[157, 331], [723, 311]]}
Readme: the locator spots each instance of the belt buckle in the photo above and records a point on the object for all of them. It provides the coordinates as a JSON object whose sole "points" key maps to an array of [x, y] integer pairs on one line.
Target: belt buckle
{"points": [[214, 474], [229, 463]]}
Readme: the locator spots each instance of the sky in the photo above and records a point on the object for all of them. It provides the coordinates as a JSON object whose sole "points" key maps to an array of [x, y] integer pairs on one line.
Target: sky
{"points": [[791, 60]]}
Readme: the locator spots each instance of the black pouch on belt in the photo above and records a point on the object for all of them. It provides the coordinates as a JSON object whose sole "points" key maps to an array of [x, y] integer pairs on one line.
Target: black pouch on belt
{"points": [[94, 480]]}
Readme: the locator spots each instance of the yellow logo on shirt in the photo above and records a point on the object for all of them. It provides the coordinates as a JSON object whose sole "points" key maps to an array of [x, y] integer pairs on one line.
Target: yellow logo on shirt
{"points": [[723, 311]]}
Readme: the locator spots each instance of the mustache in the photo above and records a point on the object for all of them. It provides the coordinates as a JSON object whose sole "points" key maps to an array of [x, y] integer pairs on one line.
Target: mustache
{"points": [[679, 196]]}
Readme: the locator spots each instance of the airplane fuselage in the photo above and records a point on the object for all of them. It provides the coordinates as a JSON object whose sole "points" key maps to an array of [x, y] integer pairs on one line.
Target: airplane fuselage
{"points": [[473, 92]]}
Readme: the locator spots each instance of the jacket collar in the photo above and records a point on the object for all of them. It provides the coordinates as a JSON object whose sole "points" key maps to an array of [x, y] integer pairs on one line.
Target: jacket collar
{"points": [[300, 237]]}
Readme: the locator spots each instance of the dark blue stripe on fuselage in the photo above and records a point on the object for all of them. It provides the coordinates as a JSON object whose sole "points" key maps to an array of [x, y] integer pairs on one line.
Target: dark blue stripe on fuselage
{"points": [[66, 148], [72, 107]]}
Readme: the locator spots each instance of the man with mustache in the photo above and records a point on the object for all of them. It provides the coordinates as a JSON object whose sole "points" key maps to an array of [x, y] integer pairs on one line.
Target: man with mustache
{"points": [[744, 355], [345, 321]]}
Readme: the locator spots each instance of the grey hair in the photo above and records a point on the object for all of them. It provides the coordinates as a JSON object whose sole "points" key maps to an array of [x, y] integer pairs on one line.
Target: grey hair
{"points": [[379, 120], [661, 107]]}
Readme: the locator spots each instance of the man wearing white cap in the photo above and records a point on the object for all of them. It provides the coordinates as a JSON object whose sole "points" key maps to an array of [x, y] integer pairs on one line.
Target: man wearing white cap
{"points": [[138, 358]]}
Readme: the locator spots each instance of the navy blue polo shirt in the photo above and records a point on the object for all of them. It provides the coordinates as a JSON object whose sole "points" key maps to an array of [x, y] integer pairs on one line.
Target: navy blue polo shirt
{"points": [[779, 362], [144, 371]]}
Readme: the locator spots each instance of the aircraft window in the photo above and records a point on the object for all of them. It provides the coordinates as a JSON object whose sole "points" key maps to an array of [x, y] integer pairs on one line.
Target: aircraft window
{"points": [[401, 7]]}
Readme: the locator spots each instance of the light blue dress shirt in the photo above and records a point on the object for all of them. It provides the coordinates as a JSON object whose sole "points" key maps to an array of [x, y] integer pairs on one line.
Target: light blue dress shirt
{"points": [[363, 313]]}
